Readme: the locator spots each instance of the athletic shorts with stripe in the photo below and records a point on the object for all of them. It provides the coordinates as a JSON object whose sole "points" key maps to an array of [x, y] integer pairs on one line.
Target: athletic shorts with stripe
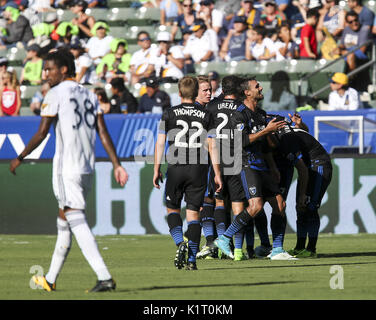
{"points": [[232, 189]]}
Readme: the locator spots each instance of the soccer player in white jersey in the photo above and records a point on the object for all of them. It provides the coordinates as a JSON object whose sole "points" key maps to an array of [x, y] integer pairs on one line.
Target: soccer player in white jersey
{"points": [[76, 115]]}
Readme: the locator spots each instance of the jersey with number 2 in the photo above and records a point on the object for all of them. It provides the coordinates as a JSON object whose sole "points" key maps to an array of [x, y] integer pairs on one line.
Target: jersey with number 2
{"points": [[75, 109]]}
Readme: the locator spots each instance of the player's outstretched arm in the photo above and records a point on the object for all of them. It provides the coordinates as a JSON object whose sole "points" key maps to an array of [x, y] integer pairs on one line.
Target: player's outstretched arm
{"points": [[298, 121], [34, 142], [158, 155], [272, 126], [120, 174]]}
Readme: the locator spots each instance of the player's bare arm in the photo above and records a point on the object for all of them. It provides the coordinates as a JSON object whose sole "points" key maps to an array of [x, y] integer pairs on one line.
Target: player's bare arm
{"points": [[214, 157], [272, 126], [34, 142], [120, 174], [158, 155], [298, 122]]}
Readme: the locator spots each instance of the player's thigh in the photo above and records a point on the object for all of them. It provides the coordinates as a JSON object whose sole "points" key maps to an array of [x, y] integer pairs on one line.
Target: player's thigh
{"points": [[251, 183], [174, 188], [318, 182], [195, 186]]}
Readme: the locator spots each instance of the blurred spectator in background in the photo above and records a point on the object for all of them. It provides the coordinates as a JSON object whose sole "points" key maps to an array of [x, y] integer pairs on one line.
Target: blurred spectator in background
{"points": [[140, 61], [271, 18], [83, 21], [67, 34], [10, 94], [366, 16], [116, 63], [285, 47], [154, 100], [258, 46], [212, 17], [215, 82], [104, 102], [298, 17], [169, 60], [32, 71], [202, 45], [170, 10], [233, 46], [99, 44], [185, 20], [97, 3], [37, 99], [342, 96], [84, 71], [3, 69], [279, 97], [332, 17], [308, 45], [17, 27], [122, 101], [7, 3], [247, 9]]}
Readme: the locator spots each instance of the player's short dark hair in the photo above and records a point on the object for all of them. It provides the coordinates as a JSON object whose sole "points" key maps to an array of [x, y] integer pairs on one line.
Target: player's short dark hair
{"points": [[63, 58], [230, 85], [188, 87], [313, 13]]}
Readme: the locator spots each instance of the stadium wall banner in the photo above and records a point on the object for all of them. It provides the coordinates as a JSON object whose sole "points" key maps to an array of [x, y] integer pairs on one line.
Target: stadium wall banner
{"points": [[28, 205]]}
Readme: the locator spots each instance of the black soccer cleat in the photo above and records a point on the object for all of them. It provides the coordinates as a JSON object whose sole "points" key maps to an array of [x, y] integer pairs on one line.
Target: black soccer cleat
{"points": [[181, 253], [191, 266], [104, 285]]}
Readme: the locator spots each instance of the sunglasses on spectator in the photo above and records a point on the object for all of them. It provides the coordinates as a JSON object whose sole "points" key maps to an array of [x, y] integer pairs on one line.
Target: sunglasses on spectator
{"points": [[352, 21], [144, 39], [187, 5]]}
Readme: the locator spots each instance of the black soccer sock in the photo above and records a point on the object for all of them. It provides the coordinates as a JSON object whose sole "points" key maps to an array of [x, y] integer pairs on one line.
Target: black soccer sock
{"points": [[249, 233], [240, 221], [194, 235], [175, 223], [220, 220], [261, 223], [207, 221], [301, 230]]}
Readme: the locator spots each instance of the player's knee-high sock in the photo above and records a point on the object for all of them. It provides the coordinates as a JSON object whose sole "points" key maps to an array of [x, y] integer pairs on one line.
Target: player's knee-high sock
{"points": [[313, 227], [240, 221], [239, 239], [261, 223], [301, 230], [194, 235], [88, 245], [207, 221], [175, 223], [249, 234], [220, 220], [278, 226], [62, 247]]}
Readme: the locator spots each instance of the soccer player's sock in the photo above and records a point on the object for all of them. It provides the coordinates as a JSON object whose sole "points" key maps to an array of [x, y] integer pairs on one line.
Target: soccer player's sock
{"points": [[261, 223], [278, 226], [207, 221], [240, 221], [239, 239], [313, 230], [86, 242], [220, 220], [175, 223], [62, 247], [249, 234], [194, 235], [301, 230]]}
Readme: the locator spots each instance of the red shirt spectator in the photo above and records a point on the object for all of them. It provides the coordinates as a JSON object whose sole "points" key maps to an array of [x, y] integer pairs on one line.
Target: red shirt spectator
{"points": [[308, 44]]}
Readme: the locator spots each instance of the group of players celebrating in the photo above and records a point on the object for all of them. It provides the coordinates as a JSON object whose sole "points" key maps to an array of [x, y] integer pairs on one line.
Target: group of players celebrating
{"points": [[227, 154]]}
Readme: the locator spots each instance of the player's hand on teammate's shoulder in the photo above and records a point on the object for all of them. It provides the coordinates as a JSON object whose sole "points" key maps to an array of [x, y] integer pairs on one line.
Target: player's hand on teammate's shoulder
{"points": [[157, 177], [275, 125], [121, 175]]}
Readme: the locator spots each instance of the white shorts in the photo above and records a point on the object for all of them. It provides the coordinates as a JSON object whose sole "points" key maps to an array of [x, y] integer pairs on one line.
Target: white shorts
{"points": [[71, 191]]}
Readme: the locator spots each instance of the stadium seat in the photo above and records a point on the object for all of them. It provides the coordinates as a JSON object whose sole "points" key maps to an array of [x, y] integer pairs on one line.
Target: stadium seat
{"points": [[27, 92], [122, 14], [65, 15], [204, 68], [370, 4], [118, 32], [119, 3], [242, 67], [16, 56], [98, 13], [132, 48], [26, 111], [131, 32], [153, 14], [339, 66]]}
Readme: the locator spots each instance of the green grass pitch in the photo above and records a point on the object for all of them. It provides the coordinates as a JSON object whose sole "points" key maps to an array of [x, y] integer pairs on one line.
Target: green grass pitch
{"points": [[143, 269]]}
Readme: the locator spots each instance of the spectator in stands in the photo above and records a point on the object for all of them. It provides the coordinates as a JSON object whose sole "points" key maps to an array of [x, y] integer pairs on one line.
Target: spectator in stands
{"points": [[279, 97], [6, 3], [332, 17], [271, 18], [37, 99], [258, 46], [247, 9], [233, 46], [212, 17], [84, 72], [10, 95], [169, 60], [97, 3], [215, 82], [185, 20], [99, 45], [116, 63], [32, 71], [308, 45], [140, 62], [3, 69], [342, 96], [154, 100], [202, 45], [17, 27], [67, 34], [285, 47], [298, 17], [122, 101], [170, 10], [366, 16], [104, 102], [84, 22]]}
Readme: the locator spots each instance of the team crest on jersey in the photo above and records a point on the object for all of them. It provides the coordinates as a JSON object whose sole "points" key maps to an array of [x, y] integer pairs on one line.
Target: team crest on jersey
{"points": [[252, 190]]}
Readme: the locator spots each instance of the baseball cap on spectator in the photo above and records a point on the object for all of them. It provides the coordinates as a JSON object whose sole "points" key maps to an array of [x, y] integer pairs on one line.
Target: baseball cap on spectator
{"points": [[270, 2], [197, 25], [81, 3], [206, 2], [164, 36], [3, 61], [213, 75], [33, 47], [99, 24], [240, 19], [152, 82], [340, 78], [24, 3]]}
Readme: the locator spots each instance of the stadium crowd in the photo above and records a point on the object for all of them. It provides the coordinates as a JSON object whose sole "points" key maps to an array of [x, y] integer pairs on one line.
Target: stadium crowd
{"points": [[222, 30]]}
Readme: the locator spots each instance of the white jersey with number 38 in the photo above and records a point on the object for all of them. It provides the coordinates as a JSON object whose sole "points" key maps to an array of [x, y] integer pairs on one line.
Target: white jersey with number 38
{"points": [[75, 109]]}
